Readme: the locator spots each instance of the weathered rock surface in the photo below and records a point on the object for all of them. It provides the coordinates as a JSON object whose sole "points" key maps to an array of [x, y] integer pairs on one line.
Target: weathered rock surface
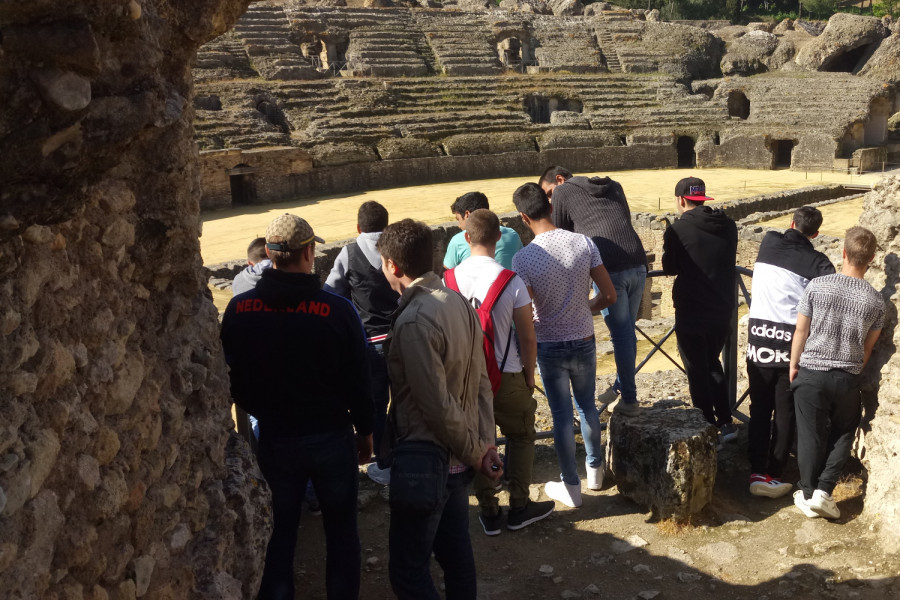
{"points": [[749, 54], [878, 444], [115, 401], [843, 34], [884, 65], [331, 155], [665, 459], [532, 7]]}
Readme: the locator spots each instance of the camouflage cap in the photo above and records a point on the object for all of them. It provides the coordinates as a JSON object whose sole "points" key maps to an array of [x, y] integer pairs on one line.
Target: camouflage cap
{"points": [[288, 233]]}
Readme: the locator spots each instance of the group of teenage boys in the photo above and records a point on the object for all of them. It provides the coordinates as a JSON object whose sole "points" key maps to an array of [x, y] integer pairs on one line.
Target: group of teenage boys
{"points": [[456, 357]]}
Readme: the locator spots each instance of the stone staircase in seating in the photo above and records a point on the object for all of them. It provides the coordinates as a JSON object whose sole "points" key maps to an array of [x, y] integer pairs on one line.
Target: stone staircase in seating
{"points": [[222, 59], [265, 32], [463, 43], [566, 45]]}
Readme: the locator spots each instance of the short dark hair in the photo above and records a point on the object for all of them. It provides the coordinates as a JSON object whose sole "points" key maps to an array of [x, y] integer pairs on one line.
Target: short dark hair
{"points": [[860, 245], [483, 227], [470, 201], [694, 203], [807, 220], [256, 251], [409, 245], [550, 174], [371, 217], [531, 201]]}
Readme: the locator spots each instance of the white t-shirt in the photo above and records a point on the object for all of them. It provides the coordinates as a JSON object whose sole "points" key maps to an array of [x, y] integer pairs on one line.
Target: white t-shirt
{"points": [[474, 277], [557, 266]]}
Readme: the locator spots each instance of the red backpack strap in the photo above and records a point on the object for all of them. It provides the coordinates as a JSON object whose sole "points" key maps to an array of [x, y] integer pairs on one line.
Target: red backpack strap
{"points": [[450, 280], [496, 289]]}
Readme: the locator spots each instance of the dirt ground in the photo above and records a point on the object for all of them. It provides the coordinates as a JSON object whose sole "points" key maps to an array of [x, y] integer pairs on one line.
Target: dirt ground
{"points": [[739, 547], [226, 233]]}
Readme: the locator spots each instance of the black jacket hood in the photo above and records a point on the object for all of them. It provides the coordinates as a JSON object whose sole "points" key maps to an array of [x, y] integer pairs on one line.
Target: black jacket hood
{"points": [[280, 289], [598, 187], [711, 220]]}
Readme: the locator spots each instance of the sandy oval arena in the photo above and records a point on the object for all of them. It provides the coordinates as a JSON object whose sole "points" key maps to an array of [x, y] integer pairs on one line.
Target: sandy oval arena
{"points": [[226, 233]]}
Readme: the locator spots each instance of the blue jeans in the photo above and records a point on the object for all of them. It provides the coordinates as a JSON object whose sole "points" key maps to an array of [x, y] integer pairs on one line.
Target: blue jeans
{"points": [[620, 318], [381, 395], [287, 463], [445, 532], [563, 363]]}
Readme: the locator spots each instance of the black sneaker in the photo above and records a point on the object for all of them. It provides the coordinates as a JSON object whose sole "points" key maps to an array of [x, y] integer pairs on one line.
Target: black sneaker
{"points": [[491, 523], [728, 432], [528, 514]]}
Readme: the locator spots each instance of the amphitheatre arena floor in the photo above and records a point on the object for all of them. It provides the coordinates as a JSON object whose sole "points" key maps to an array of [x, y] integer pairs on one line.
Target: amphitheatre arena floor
{"points": [[226, 233]]}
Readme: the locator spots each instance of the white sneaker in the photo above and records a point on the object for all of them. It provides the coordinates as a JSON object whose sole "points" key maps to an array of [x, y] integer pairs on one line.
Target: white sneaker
{"points": [[763, 485], [379, 475], [824, 505], [803, 504], [568, 494], [594, 476]]}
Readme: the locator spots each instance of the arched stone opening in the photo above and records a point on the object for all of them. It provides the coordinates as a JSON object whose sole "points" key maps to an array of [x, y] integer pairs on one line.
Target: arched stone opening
{"points": [[539, 107], [782, 153], [738, 105], [512, 52], [314, 51], [243, 185], [687, 157], [333, 55], [876, 126], [848, 62]]}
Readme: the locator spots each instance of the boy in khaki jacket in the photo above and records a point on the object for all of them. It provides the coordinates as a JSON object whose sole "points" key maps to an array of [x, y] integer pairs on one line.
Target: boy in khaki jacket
{"points": [[440, 399]]}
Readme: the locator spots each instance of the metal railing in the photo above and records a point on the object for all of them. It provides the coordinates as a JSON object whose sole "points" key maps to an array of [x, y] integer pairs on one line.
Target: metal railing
{"points": [[730, 352]]}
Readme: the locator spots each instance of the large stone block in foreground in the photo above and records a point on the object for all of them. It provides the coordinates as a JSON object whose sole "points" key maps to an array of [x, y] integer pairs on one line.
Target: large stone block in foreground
{"points": [[665, 458]]}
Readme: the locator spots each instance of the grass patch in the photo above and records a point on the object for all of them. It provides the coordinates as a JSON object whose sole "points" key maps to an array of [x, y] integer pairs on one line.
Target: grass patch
{"points": [[849, 487], [672, 527]]}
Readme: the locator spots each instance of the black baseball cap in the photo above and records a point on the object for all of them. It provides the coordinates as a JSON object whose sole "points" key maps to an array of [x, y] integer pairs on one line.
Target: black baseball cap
{"points": [[692, 188]]}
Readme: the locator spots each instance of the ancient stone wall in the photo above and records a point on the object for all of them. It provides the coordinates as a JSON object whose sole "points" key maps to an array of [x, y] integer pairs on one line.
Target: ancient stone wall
{"points": [[878, 444], [119, 476]]}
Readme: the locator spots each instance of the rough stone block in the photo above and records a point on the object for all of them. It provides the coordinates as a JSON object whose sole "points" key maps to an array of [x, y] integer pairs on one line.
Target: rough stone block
{"points": [[664, 459]]}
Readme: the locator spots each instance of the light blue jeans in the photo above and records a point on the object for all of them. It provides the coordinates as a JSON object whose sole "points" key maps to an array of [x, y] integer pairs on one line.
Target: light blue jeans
{"points": [[620, 318], [563, 363]]}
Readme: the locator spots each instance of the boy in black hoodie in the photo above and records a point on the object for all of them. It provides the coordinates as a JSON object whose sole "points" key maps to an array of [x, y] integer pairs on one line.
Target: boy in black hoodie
{"points": [[297, 356], [700, 249]]}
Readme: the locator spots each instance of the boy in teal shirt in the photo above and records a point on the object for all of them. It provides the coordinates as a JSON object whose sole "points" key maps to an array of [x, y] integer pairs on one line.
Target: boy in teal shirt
{"points": [[458, 248]]}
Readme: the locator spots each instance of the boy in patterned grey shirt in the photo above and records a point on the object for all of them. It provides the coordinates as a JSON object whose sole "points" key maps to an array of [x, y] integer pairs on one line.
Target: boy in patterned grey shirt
{"points": [[839, 320]]}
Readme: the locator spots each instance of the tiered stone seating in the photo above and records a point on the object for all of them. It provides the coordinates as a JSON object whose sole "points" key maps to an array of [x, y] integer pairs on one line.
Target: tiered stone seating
{"points": [[627, 44], [794, 100], [223, 58], [385, 53], [246, 128], [463, 43], [566, 45], [266, 35]]}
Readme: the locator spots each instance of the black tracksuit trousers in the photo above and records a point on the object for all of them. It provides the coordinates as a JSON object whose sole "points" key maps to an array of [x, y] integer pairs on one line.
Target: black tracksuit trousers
{"points": [[768, 447], [706, 378], [829, 408]]}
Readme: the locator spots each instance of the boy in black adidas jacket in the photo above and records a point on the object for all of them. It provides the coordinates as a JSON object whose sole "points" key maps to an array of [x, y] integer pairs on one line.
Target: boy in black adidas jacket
{"points": [[784, 266]]}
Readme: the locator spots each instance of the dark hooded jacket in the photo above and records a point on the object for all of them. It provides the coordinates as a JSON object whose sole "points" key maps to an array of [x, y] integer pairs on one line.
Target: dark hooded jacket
{"points": [[596, 207], [700, 248], [298, 357]]}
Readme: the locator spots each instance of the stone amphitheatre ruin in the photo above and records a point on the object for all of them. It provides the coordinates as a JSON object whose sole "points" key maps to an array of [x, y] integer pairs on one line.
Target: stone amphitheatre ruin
{"points": [[120, 476]]}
